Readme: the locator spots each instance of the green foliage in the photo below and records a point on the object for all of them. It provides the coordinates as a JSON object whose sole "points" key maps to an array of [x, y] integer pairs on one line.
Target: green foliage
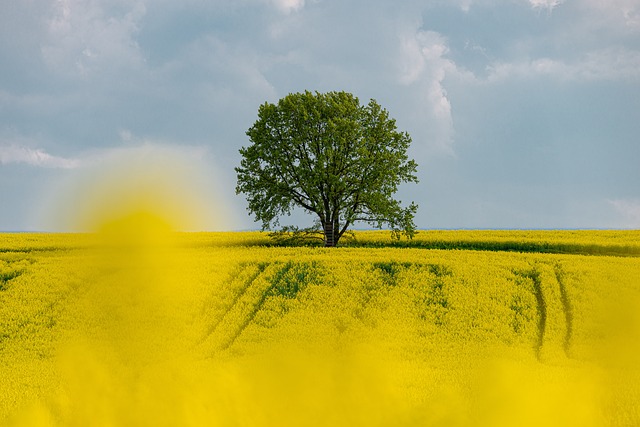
{"points": [[439, 270], [293, 278], [326, 153], [7, 276], [391, 270], [11, 269]]}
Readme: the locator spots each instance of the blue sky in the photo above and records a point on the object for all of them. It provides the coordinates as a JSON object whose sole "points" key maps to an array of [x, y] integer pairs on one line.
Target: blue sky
{"points": [[523, 113]]}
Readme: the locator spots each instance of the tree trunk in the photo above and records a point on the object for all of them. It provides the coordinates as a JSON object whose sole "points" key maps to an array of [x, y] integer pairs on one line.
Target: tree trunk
{"points": [[329, 235]]}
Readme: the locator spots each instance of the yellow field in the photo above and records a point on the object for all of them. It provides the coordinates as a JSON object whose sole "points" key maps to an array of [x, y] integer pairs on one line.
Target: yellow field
{"points": [[147, 327]]}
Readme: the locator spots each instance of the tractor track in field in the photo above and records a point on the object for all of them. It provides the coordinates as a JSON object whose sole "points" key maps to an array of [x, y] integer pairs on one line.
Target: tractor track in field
{"points": [[246, 305], [248, 282], [7, 277], [533, 274], [541, 306], [553, 309], [247, 320], [547, 292], [566, 308]]}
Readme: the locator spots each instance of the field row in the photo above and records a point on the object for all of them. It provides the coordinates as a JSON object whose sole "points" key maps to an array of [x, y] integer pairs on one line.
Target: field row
{"points": [[583, 242]]}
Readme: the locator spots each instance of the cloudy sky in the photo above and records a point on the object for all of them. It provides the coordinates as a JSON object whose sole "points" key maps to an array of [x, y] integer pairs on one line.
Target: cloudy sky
{"points": [[523, 113]]}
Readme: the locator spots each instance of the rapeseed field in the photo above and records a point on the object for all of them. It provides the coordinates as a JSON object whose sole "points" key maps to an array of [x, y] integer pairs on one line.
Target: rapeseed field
{"points": [[137, 325]]}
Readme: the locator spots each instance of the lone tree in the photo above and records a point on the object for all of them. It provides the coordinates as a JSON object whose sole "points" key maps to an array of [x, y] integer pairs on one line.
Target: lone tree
{"points": [[335, 158]]}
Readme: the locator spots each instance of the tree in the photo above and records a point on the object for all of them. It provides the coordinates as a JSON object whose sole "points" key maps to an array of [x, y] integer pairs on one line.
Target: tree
{"points": [[326, 153]]}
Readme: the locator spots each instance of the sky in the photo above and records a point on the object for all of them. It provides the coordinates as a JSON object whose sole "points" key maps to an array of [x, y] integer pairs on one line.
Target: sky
{"points": [[523, 113]]}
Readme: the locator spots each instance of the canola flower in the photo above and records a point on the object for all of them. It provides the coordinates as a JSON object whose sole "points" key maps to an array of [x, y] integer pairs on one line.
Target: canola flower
{"points": [[149, 327]]}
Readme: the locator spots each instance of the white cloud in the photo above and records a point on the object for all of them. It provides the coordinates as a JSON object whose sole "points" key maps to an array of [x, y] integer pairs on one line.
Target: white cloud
{"points": [[421, 50], [84, 39], [34, 157], [424, 64], [465, 5], [238, 70], [629, 209], [288, 6], [546, 4], [625, 13], [607, 64], [125, 135]]}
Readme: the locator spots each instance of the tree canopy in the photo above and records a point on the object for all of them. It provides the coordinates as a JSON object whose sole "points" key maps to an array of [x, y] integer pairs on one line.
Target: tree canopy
{"points": [[335, 158]]}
